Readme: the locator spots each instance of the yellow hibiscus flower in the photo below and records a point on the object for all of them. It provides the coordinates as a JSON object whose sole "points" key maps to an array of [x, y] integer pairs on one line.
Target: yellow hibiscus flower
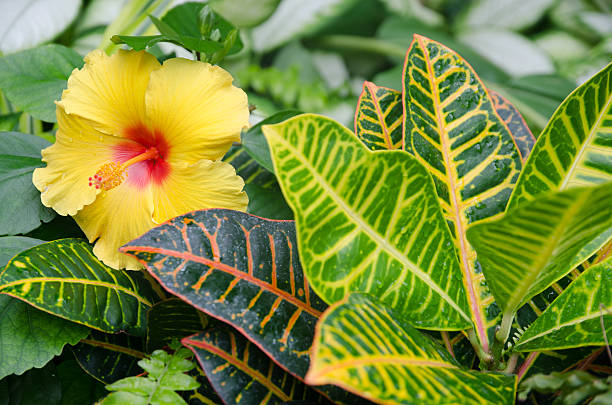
{"points": [[139, 143]]}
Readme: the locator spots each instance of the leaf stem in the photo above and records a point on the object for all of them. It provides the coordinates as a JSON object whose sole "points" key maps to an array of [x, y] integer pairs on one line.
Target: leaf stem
{"points": [[511, 363], [485, 358], [527, 364]]}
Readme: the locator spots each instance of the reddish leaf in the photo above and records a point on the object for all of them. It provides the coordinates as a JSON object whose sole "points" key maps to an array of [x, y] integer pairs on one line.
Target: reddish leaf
{"points": [[241, 269]]}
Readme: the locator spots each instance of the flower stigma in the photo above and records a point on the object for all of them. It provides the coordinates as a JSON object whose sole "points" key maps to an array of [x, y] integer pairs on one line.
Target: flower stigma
{"points": [[112, 174]]}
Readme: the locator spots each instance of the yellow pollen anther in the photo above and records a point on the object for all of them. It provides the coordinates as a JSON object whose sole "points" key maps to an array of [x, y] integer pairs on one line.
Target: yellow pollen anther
{"points": [[112, 174]]}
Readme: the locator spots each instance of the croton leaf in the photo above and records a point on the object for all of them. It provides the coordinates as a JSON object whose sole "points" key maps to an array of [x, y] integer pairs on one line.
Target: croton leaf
{"points": [[64, 278], [110, 357], [452, 128], [172, 319], [29, 337], [575, 148], [537, 243], [365, 347], [241, 269], [378, 118], [517, 126], [265, 197], [241, 373], [574, 319], [368, 221]]}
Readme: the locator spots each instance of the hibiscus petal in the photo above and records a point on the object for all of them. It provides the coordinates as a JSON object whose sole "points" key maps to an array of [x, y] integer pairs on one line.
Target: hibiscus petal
{"points": [[115, 218], [78, 152], [196, 108], [110, 90], [205, 184]]}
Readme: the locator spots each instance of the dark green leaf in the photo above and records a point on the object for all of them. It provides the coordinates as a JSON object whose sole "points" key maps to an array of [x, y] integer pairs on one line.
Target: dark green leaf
{"points": [[29, 337], [22, 210], [265, 197], [109, 358], [64, 278], [33, 79], [172, 319], [139, 43], [77, 387], [241, 373], [254, 142], [241, 269], [9, 122], [37, 386]]}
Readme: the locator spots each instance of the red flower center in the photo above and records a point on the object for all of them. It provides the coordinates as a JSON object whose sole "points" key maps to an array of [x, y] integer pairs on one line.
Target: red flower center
{"points": [[143, 159]]}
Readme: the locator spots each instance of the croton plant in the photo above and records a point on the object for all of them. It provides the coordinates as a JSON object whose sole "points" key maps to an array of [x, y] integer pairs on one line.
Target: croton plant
{"points": [[440, 253]]}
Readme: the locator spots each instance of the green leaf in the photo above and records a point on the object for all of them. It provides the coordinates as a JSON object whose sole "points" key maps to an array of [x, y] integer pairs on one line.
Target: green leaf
{"points": [[265, 197], [29, 337], [172, 319], [186, 21], [241, 373], [165, 376], [9, 122], [241, 269], [139, 43], [511, 14], [294, 18], [27, 23], [365, 347], [378, 118], [64, 278], [254, 141], [523, 138], [509, 51], [36, 386], [574, 318], [244, 13], [22, 210], [33, 79], [575, 148], [109, 358], [540, 241], [360, 217], [77, 387], [452, 128]]}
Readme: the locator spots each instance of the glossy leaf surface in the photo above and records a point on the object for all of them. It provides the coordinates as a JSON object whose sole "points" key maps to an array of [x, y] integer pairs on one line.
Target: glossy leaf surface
{"points": [[64, 278], [110, 357], [519, 130], [365, 347], [19, 156], [172, 319], [241, 373], [574, 318], [29, 337], [368, 221], [378, 118], [575, 148], [540, 242], [241, 269], [265, 197], [452, 128]]}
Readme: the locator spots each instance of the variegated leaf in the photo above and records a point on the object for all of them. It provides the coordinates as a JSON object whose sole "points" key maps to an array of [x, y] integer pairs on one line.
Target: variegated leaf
{"points": [[378, 118], [517, 126], [537, 243], [241, 269], [241, 373], [575, 148], [452, 128], [575, 318], [369, 349], [64, 278], [368, 221]]}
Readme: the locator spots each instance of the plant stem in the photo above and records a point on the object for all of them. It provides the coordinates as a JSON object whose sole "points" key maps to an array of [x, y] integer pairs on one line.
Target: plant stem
{"points": [[504, 330], [511, 363], [527, 364], [361, 44], [485, 358]]}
